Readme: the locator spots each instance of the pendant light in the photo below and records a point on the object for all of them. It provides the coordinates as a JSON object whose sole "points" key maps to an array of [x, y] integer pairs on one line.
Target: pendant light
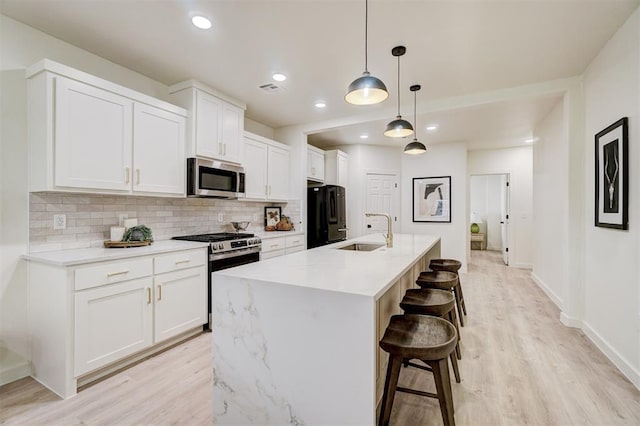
{"points": [[398, 128], [366, 90], [415, 147]]}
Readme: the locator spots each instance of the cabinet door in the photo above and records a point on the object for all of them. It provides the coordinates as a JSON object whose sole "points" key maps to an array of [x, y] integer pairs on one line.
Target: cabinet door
{"points": [[278, 173], [158, 151], [208, 126], [93, 137], [255, 167], [112, 322], [180, 302], [232, 132], [315, 165]]}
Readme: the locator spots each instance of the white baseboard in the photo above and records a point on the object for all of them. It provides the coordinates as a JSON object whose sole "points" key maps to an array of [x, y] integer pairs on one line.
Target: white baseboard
{"points": [[13, 367], [618, 360], [521, 265], [570, 321], [547, 290]]}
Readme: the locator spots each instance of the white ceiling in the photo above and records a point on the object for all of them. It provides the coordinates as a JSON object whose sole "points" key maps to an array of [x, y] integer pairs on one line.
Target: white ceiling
{"points": [[453, 48]]}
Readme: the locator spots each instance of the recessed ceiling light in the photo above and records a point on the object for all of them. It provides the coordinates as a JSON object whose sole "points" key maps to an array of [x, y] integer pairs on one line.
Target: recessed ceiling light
{"points": [[279, 77], [364, 136], [201, 22], [320, 105], [432, 127]]}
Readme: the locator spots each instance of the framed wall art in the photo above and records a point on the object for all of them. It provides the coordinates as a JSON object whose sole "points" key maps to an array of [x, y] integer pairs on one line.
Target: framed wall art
{"points": [[612, 176], [432, 199], [271, 217]]}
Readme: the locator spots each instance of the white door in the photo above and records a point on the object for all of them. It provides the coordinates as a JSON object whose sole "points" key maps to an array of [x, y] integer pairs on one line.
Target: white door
{"points": [[112, 322], [93, 137], [255, 168], [504, 218], [381, 198], [278, 174], [208, 128], [158, 151], [180, 302]]}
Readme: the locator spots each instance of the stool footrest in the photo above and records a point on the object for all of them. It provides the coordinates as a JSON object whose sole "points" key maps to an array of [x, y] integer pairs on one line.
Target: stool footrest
{"points": [[417, 392], [422, 367]]}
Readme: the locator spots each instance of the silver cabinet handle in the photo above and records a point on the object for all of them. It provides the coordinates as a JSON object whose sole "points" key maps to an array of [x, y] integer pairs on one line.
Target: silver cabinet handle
{"points": [[160, 292], [127, 172], [137, 176], [148, 295], [111, 274], [183, 261]]}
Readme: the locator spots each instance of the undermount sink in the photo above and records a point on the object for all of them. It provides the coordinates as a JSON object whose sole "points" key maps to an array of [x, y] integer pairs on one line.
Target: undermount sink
{"points": [[361, 247]]}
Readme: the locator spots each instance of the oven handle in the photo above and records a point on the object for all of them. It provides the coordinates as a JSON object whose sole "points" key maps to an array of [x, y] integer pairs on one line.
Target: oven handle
{"points": [[235, 253]]}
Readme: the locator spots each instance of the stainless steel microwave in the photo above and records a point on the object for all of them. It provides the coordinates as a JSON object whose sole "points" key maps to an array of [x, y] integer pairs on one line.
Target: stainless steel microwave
{"points": [[214, 179]]}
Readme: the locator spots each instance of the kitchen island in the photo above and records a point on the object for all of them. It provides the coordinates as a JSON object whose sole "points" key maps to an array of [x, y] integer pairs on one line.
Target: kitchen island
{"points": [[295, 339]]}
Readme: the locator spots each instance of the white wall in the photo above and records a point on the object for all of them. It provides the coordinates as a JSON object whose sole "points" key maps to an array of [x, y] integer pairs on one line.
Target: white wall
{"points": [[440, 160], [612, 257], [551, 206], [486, 200], [517, 163], [259, 128], [365, 159]]}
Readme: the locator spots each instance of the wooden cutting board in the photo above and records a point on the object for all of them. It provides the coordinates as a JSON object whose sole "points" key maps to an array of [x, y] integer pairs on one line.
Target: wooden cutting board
{"points": [[125, 244]]}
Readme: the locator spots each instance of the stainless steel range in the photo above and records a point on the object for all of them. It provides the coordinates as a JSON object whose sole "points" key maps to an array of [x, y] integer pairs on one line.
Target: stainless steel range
{"points": [[227, 250]]}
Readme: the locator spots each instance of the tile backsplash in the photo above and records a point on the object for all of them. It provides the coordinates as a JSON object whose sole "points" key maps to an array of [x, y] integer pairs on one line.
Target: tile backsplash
{"points": [[90, 217]]}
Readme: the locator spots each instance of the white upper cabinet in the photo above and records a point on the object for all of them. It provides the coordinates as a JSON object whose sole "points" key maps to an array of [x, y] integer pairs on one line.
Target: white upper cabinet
{"points": [[315, 164], [266, 165], [93, 137], [158, 142], [336, 167], [90, 135], [216, 124]]}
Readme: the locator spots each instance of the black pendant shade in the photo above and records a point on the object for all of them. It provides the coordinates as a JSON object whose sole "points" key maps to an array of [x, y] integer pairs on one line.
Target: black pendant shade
{"points": [[415, 147], [366, 90], [398, 128]]}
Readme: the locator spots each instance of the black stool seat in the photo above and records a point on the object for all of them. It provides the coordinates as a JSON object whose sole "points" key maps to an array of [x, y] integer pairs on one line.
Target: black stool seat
{"points": [[430, 339], [450, 265], [443, 280]]}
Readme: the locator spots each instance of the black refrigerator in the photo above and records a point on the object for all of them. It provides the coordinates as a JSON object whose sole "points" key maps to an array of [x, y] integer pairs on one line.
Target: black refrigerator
{"points": [[326, 215]]}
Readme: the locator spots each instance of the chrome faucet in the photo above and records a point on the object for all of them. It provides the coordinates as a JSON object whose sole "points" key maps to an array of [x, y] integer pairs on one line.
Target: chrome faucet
{"points": [[389, 237]]}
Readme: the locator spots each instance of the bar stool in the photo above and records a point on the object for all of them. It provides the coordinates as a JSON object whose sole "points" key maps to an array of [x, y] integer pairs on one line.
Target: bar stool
{"points": [[422, 337], [436, 303], [442, 280], [450, 265]]}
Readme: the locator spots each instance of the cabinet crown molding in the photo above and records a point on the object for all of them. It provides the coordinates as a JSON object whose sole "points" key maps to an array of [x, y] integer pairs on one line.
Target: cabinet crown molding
{"points": [[193, 84]]}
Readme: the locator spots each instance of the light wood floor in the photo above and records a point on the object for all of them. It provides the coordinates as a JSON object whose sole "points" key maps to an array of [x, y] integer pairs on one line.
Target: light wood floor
{"points": [[519, 366]]}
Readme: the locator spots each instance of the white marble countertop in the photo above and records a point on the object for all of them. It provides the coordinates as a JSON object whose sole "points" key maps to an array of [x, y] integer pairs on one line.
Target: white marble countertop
{"points": [[99, 254], [354, 272]]}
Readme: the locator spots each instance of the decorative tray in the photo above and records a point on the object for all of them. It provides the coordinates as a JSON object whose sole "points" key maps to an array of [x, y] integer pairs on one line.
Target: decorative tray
{"points": [[125, 244]]}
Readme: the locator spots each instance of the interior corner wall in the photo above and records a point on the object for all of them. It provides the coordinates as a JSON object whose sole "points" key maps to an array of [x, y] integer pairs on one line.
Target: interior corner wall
{"points": [[518, 163], [440, 160], [611, 257], [551, 206]]}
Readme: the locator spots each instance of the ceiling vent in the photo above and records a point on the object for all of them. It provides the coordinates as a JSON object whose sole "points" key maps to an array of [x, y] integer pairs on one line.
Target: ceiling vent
{"points": [[270, 88]]}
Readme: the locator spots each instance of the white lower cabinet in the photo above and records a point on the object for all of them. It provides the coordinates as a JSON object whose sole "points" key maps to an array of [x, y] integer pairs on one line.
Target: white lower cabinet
{"points": [[279, 246], [88, 319], [112, 322]]}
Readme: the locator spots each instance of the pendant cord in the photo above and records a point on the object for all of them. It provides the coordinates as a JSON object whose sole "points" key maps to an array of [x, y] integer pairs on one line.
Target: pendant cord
{"points": [[415, 119], [366, 47], [398, 85]]}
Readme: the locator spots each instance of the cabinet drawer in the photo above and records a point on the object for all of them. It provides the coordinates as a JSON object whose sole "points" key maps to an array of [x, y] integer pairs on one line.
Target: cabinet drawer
{"points": [[112, 272], [272, 244], [179, 260], [293, 240], [270, 254], [290, 250]]}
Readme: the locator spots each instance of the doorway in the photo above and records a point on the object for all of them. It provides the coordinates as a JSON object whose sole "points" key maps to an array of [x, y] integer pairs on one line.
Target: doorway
{"points": [[381, 197], [489, 211]]}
